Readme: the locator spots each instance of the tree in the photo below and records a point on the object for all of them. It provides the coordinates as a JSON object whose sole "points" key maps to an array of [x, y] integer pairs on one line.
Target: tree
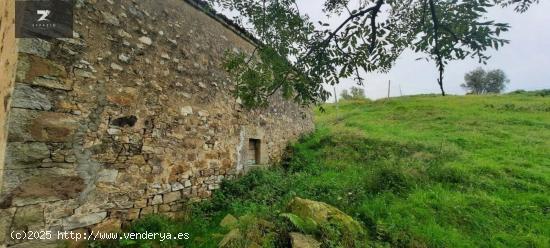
{"points": [[496, 81], [479, 81], [474, 81], [356, 94], [297, 56], [345, 95]]}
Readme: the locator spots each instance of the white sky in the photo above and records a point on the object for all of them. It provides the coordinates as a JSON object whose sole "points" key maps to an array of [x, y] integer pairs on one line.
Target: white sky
{"points": [[526, 60]]}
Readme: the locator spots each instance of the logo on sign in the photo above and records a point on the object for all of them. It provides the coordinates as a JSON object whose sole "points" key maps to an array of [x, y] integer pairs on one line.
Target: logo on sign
{"points": [[43, 14]]}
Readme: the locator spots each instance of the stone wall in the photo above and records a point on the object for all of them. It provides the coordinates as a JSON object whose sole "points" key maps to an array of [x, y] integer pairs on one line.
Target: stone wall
{"points": [[130, 117]]}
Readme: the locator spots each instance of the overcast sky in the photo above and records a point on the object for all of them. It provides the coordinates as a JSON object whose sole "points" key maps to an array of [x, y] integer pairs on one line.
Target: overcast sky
{"points": [[526, 60]]}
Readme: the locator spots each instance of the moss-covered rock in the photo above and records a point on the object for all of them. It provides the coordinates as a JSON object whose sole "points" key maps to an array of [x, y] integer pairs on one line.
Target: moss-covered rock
{"points": [[328, 216], [233, 239], [228, 221], [248, 231], [298, 240]]}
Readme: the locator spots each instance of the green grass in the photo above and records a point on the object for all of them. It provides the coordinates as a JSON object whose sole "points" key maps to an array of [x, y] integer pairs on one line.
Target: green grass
{"points": [[421, 171]]}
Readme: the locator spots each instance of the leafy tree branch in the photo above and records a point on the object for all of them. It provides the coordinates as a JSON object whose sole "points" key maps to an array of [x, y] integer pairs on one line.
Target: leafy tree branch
{"points": [[297, 56]]}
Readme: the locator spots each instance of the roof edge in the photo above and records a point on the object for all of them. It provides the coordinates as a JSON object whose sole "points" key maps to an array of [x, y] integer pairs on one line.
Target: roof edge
{"points": [[204, 7]]}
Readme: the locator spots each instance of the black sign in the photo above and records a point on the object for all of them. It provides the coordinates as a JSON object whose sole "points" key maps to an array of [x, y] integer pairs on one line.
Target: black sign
{"points": [[44, 19]]}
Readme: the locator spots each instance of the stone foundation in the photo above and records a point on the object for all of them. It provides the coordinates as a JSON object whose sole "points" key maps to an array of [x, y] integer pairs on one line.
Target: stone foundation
{"points": [[132, 116]]}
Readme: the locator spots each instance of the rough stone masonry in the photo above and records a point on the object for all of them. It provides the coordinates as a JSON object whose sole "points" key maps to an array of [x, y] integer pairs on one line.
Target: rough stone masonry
{"points": [[132, 116]]}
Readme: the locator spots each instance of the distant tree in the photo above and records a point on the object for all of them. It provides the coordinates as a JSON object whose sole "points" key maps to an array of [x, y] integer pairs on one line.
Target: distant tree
{"points": [[496, 81], [345, 95], [357, 93], [474, 81], [354, 93], [480, 81]]}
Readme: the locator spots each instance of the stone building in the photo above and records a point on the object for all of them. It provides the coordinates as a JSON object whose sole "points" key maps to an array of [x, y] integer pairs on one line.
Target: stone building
{"points": [[132, 116]]}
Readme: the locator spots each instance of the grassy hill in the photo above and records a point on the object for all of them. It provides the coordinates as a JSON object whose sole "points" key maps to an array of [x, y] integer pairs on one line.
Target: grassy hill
{"points": [[422, 171]]}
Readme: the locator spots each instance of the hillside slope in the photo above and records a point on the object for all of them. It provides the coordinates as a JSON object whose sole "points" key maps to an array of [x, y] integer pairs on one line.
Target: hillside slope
{"points": [[466, 171], [420, 171]]}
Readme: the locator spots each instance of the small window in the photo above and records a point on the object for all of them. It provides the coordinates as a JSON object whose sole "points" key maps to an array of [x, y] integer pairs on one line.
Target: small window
{"points": [[253, 153]]}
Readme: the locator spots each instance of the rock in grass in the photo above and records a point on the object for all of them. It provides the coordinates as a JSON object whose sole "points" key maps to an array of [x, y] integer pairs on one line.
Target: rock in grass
{"points": [[231, 239], [253, 231], [228, 221], [254, 245], [298, 240], [323, 213]]}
